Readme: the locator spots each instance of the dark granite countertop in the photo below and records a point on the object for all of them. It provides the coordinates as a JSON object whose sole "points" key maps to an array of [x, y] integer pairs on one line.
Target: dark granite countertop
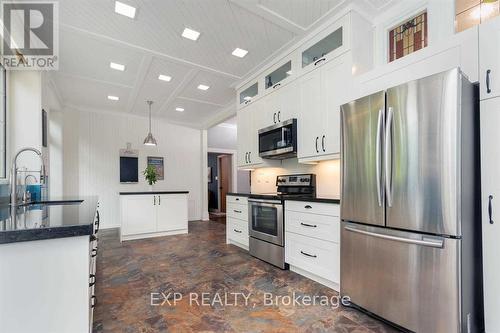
{"points": [[323, 200], [48, 219], [234, 194], [154, 192]]}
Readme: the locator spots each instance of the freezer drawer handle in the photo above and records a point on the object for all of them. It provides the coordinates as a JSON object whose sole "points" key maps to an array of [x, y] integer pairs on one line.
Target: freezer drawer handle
{"points": [[309, 225], [308, 255], [437, 243], [490, 209], [488, 89]]}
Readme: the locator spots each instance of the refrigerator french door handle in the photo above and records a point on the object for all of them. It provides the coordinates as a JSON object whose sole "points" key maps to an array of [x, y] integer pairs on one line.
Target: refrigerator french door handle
{"points": [[430, 243], [378, 154], [388, 156]]}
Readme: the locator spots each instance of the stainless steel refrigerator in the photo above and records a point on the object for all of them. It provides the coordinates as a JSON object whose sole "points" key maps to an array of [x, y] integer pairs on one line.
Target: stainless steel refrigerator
{"points": [[410, 239]]}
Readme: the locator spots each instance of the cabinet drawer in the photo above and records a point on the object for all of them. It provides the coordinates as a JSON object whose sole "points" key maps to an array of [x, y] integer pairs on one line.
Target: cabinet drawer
{"points": [[236, 200], [237, 211], [315, 256], [313, 207], [237, 231], [318, 226]]}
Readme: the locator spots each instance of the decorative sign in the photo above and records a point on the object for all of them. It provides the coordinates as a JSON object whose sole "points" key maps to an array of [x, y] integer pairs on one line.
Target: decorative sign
{"points": [[157, 163]]}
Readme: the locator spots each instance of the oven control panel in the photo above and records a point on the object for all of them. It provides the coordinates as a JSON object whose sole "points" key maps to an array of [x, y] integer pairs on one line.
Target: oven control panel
{"points": [[295, 180]]}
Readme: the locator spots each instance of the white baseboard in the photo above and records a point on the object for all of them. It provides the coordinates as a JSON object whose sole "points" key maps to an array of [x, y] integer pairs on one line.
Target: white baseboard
{"points": [[153, 234], [330, 284]]}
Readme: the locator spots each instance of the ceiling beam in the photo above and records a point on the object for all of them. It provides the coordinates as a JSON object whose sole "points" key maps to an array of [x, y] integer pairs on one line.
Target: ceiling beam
{"points": [[184, 83], [146, 62], [200, 101]]}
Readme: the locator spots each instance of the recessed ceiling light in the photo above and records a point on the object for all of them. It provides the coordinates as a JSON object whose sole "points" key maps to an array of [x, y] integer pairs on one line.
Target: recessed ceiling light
{"points": [[164, 77], [113, 98], [124, 9], [190, 34], [179, 109], [240, 53], [203, 87], [118, 67]]}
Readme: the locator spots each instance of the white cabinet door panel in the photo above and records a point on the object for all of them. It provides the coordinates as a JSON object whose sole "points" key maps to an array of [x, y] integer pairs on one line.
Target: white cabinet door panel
{"points": [[490, 184], [172, 212], [138, 214], [309, 126], [489, 58]]}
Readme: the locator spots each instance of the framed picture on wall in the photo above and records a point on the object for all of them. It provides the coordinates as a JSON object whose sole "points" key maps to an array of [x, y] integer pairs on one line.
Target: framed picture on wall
{"points": [[157, 163]]}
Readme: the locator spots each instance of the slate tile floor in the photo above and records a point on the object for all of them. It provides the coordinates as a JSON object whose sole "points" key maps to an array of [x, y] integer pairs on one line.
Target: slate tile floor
{"points": [[127, 274]]}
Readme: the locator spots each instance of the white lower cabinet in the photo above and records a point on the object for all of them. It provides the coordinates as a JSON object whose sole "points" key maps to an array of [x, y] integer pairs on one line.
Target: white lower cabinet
{"points": [[312, 241], [237, 221], [152, 215], [490, 188]]}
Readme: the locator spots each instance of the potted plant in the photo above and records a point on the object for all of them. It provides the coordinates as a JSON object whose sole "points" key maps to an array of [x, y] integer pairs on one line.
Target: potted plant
{"points": [[150, 176]]}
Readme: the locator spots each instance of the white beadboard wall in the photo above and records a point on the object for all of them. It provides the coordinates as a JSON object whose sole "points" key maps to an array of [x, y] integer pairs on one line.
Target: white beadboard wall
{"points": [[327, 177], [92, 142]]}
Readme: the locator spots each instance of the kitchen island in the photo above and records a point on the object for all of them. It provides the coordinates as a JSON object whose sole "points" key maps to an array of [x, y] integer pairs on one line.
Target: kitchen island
{"points": [[153, 214], [48, 253]]}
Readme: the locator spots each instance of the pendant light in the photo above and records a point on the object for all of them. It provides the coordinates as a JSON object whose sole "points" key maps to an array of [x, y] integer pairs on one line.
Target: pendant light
{"points": [[150, 140]]}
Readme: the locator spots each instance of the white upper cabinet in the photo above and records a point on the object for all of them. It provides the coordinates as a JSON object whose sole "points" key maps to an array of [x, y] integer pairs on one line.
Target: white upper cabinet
{"points": [[279, 106], [489, 59], [321, 93], [249, 120], [248, 94], [278, 76]]}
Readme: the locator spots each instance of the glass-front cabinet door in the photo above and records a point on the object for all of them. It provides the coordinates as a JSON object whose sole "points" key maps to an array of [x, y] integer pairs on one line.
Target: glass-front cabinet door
{"points": [[247, 94], [274, 79], [317, 53]]}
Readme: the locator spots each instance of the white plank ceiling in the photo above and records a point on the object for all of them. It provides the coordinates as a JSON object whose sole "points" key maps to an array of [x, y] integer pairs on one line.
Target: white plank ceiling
{"points": [[92, 35]]}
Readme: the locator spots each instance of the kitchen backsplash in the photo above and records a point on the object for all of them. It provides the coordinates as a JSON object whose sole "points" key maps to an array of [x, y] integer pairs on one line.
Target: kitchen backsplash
{"points": [[327, 177]]}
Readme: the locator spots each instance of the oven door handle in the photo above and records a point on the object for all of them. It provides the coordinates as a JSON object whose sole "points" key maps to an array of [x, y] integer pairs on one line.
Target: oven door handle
{"points": [[264, 201]]}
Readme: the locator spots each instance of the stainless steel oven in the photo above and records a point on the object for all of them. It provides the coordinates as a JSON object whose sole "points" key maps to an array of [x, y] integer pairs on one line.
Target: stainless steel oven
{"points": [[266, 220], [279, 141]]}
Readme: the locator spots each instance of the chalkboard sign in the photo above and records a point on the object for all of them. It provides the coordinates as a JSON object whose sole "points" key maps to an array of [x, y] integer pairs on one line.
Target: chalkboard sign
{"points": [[129, 169]]}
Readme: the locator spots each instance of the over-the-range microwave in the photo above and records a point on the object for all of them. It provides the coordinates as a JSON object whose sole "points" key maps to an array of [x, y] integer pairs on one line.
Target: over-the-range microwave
{"points": [[279, 141]]}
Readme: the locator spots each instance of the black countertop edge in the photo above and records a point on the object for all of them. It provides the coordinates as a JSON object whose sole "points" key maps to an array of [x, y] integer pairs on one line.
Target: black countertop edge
{"points": [[17, 236], [79, 220], [154, 192], [233, 194], [323, 200]]}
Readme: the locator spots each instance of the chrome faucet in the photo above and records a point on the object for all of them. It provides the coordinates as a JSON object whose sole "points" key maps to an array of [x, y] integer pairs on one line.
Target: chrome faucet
{"points": [[13, 185]]}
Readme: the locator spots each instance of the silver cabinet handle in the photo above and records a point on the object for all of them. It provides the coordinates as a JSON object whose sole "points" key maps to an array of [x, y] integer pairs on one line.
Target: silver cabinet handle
{"points": [[159, 200], [388, 157], [309, 225], [378, 155], [319, 61], [274, 117], [323, 143], [154, 200], [308, 255], [279, 113], [246, 157], [437, 243], [317, 150], [308, 207], [237, 211], [249, 157], [238, 231]]}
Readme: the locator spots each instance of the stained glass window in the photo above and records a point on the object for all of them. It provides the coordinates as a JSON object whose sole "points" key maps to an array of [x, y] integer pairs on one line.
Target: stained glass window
{"points": [[408, 37]]}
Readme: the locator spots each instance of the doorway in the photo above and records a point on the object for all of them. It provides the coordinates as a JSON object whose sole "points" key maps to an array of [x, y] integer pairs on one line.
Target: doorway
{"points": [[220, 182], [224, 179]]}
